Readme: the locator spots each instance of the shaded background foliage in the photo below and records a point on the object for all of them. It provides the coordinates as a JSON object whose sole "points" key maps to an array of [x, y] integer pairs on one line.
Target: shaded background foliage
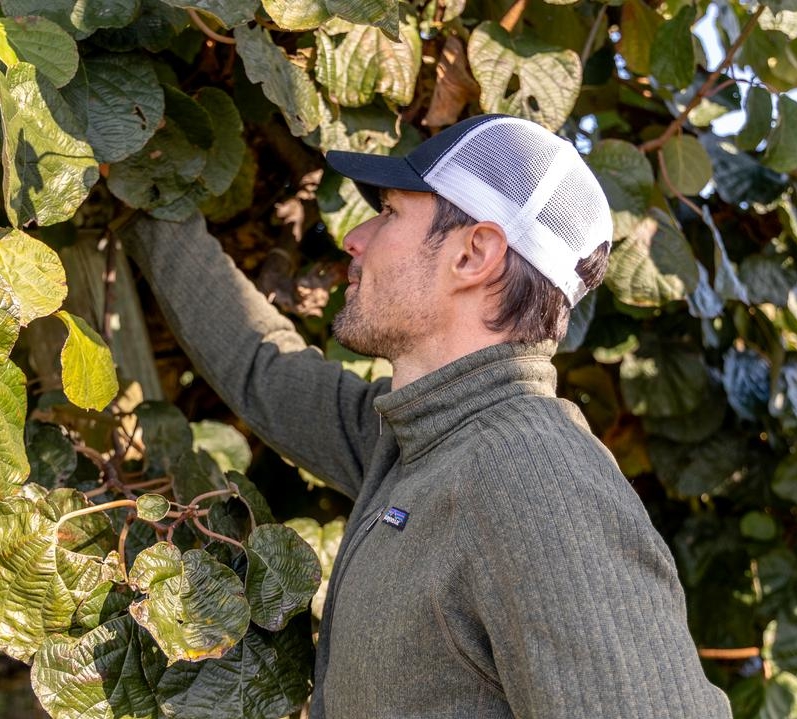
{"points": [[683, 362]]}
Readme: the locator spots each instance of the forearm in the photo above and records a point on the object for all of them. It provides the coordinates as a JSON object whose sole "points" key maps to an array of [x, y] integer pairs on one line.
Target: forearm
{"points": [[307, 409]]}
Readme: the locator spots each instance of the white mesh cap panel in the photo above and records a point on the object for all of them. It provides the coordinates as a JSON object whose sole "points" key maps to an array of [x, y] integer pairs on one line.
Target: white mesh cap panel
{"points": [[536, 186]]}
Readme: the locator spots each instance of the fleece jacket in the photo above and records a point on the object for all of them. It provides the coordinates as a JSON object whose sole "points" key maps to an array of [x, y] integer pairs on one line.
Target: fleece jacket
{"points": [[496, 563]]}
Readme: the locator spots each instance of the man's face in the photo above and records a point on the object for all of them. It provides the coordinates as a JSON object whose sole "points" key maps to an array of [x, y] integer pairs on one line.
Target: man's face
{"points": [[391, 301]]}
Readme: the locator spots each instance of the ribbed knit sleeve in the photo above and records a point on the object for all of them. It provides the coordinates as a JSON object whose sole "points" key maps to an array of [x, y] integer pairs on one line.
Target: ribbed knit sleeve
{"points": [[597, 627], [309, 410]]}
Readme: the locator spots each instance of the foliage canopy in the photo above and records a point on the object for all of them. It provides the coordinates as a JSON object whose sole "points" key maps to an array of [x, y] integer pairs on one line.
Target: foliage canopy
{"points": [[135, 553]]}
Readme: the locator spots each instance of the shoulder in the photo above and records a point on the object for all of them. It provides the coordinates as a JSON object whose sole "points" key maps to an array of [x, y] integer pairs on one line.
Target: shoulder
{"points": [[533, 468]]}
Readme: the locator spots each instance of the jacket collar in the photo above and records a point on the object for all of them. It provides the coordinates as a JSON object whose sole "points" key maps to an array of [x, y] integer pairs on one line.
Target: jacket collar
{"points": [[422, 413]]}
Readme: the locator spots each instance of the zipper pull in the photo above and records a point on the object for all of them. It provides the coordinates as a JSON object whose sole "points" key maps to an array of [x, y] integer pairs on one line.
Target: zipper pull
{"points": [[373, 522], [380, 423]]}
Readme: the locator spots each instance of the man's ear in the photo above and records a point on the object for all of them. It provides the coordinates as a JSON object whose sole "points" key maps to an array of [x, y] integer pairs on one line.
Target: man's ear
{"points": [[479, 254]]}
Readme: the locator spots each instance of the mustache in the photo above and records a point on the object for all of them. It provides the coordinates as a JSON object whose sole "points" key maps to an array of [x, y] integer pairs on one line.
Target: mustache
{"points": [[354, 273]]}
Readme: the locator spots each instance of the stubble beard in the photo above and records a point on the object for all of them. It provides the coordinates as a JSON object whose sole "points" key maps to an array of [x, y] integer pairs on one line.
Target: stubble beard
{"points": [[369, 335]]}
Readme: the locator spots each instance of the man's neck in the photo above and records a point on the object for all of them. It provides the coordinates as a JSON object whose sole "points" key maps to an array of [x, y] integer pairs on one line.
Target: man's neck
{"points": [[435, 354]]}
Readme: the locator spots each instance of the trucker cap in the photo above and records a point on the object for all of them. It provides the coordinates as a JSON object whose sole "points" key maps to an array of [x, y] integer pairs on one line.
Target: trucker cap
{"points": [[507, 170]]}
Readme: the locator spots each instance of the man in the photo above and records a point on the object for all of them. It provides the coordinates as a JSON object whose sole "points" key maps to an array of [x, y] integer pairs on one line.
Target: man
{"points": [[496, 562]]}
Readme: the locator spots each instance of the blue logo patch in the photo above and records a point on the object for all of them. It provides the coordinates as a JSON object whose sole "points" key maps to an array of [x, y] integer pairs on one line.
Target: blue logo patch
{"points": [[396, 517]]}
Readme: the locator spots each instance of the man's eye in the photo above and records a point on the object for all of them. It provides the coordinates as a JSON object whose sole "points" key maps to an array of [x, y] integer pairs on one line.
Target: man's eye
{"points": [[387, 209]]}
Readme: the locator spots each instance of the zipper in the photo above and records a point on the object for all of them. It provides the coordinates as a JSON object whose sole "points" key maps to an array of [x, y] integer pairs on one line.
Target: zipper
{"points": [[351, 549]]}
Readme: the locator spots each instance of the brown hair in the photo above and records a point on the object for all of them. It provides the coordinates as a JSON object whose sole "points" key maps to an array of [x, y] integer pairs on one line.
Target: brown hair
{"points": [[531, 308]]}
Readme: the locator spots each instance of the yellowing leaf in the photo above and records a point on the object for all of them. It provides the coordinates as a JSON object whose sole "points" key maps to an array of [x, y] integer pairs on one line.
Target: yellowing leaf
{"points": [[14, 467], [638, 25], [33, 273], [87, 367], [521, 76], [48, 166], [355, 62], [195, 608]]}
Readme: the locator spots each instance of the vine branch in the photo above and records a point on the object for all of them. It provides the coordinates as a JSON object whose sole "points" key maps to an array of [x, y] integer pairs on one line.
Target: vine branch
{"points": [[666, 177], [740, 653], [678, 122], [110, 284], [593, 33], [212, 34], [215, 535]]}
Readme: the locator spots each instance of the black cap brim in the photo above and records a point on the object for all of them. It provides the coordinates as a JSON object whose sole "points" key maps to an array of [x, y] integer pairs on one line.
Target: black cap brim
{"points": [[374, 172]]}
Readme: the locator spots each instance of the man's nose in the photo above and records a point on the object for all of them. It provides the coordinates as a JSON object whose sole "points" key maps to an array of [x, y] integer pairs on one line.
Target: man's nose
{"points": [[355, 240]]}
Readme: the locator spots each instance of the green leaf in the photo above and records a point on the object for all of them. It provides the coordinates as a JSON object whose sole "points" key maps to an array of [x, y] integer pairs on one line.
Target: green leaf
{"points": [[48, 167], [770, 55], [298, 15], [265, 675], [780, 697], [161, 176], [627, 179], [695, 426], [195, 474], [745, 377], [672, 55], [309, 14], [9, 316], [226, 153], [96, 676], [784, 480], [228, 12], [638, 26], [248, 491], [224, 443], [91, 15], [118, 100], [195, 608], [726, 281], [106, 601], [154, 29], [581, 317], [14, 467], [166, 434], [759, 526], [152, 507], [39, 42], [42, 580], [780, 645], [739, 177], [711, 467], [758, 111], [522, 77], [51, 455], [193, 119], [325, 541], [59, 11], [662, 379], [88, 371], [355, 62], [284, 83], [341, 205], [769, 278], [239, 196], [282, 576], [34, 274], [372, 129], [687, 165], [653, 266], [781, 154]]}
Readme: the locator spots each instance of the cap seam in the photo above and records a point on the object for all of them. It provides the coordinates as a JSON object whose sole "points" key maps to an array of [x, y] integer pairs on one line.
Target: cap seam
{"points": [[487, 118]]}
